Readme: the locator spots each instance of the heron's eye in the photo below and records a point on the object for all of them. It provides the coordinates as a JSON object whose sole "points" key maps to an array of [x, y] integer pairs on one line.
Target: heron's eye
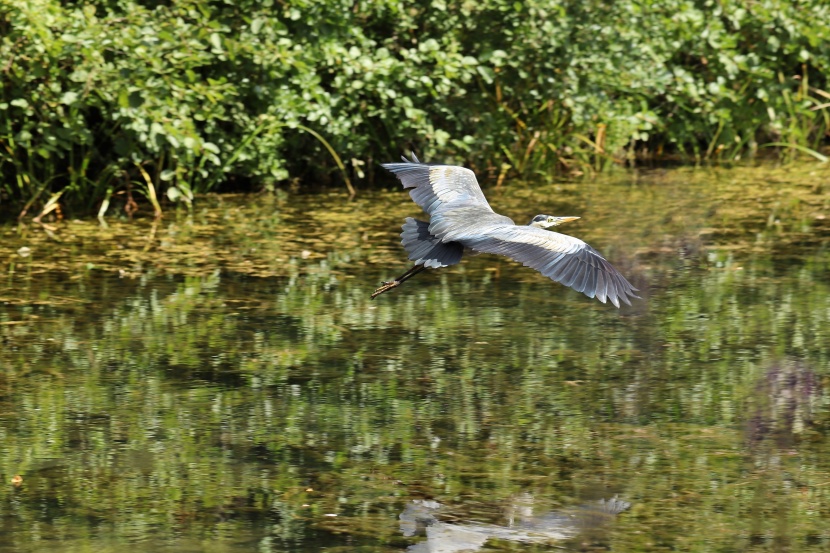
{"points": [[550, 219]]}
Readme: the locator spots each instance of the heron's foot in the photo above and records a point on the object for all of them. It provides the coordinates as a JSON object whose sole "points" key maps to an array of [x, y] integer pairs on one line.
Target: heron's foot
{"points": [[386, 286]]}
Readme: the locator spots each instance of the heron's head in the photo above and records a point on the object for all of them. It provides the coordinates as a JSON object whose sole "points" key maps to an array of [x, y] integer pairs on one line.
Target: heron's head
{"points": [[547, 221]]}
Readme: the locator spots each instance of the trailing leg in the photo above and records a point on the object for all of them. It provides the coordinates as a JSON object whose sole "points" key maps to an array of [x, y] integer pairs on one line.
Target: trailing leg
{"points": [[398, 281]]}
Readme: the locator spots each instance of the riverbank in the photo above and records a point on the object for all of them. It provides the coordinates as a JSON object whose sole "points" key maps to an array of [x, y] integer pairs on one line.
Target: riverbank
{"points": [[122, 102]]}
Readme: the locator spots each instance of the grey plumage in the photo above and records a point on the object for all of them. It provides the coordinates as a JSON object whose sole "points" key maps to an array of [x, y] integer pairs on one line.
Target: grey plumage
{"points": [[427, 250], [461, 218]]}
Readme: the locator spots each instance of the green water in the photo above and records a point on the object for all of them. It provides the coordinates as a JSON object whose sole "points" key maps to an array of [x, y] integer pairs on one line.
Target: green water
{"points": [[222, 381]]}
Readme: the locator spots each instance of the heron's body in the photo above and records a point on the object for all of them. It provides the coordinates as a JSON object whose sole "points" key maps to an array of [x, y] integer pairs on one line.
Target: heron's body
{"points": [[462, 220]]}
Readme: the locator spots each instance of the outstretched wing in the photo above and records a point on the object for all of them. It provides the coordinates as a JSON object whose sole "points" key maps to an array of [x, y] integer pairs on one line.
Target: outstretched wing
{"points": [[560, 257], [439, 187]]}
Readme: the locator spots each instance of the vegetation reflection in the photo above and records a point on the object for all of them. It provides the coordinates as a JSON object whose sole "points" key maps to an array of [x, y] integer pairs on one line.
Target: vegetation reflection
{"points": [[250, 396]]}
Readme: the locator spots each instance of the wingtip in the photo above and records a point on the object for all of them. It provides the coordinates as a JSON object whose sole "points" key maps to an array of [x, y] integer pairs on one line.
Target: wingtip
{"points": [[413, 160], [615, 298]]}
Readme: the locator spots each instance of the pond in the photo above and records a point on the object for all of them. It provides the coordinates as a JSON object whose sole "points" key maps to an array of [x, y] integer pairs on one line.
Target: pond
{"points": [[221, 381]]}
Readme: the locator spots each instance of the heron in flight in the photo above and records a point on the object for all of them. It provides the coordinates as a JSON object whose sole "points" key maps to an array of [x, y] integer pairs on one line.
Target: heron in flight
{"points": [[461, 220]]}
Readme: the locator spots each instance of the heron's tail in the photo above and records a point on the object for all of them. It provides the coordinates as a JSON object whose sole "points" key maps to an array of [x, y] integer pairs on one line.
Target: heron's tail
{"points": [[426, 249]]}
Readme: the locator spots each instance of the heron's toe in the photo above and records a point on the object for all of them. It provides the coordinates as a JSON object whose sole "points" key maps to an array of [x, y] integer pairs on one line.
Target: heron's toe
{"points": [[386, 286]]}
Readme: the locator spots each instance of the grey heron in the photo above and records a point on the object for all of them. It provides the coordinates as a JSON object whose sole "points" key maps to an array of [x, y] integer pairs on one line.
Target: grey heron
{"points": [[462, 220]]}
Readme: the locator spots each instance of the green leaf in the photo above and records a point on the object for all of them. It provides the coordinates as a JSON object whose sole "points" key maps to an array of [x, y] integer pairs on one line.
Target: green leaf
{"points": [[69, 98], [216, 41]]}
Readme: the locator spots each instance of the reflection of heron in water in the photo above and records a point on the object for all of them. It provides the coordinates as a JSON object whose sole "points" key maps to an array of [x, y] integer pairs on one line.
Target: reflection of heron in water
{"points": [[462, 221], [442, 537]]}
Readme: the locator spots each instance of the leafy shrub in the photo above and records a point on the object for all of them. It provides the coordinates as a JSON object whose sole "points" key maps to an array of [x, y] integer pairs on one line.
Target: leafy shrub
{"points": [[109, 97]]}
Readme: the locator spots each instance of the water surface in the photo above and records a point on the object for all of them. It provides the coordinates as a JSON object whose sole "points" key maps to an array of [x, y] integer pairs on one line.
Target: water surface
{"points": [[221, 381]]}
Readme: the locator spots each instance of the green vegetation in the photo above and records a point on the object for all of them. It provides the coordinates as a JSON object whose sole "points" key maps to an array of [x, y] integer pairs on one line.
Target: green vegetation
{"points": [[105, 99], [229, 398]]}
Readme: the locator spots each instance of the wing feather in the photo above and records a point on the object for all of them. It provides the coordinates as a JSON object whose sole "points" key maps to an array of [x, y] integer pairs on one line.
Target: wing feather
{"points": [[590, 284], [602, 287], [437, 188], [572, 272], [560, 257]]}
